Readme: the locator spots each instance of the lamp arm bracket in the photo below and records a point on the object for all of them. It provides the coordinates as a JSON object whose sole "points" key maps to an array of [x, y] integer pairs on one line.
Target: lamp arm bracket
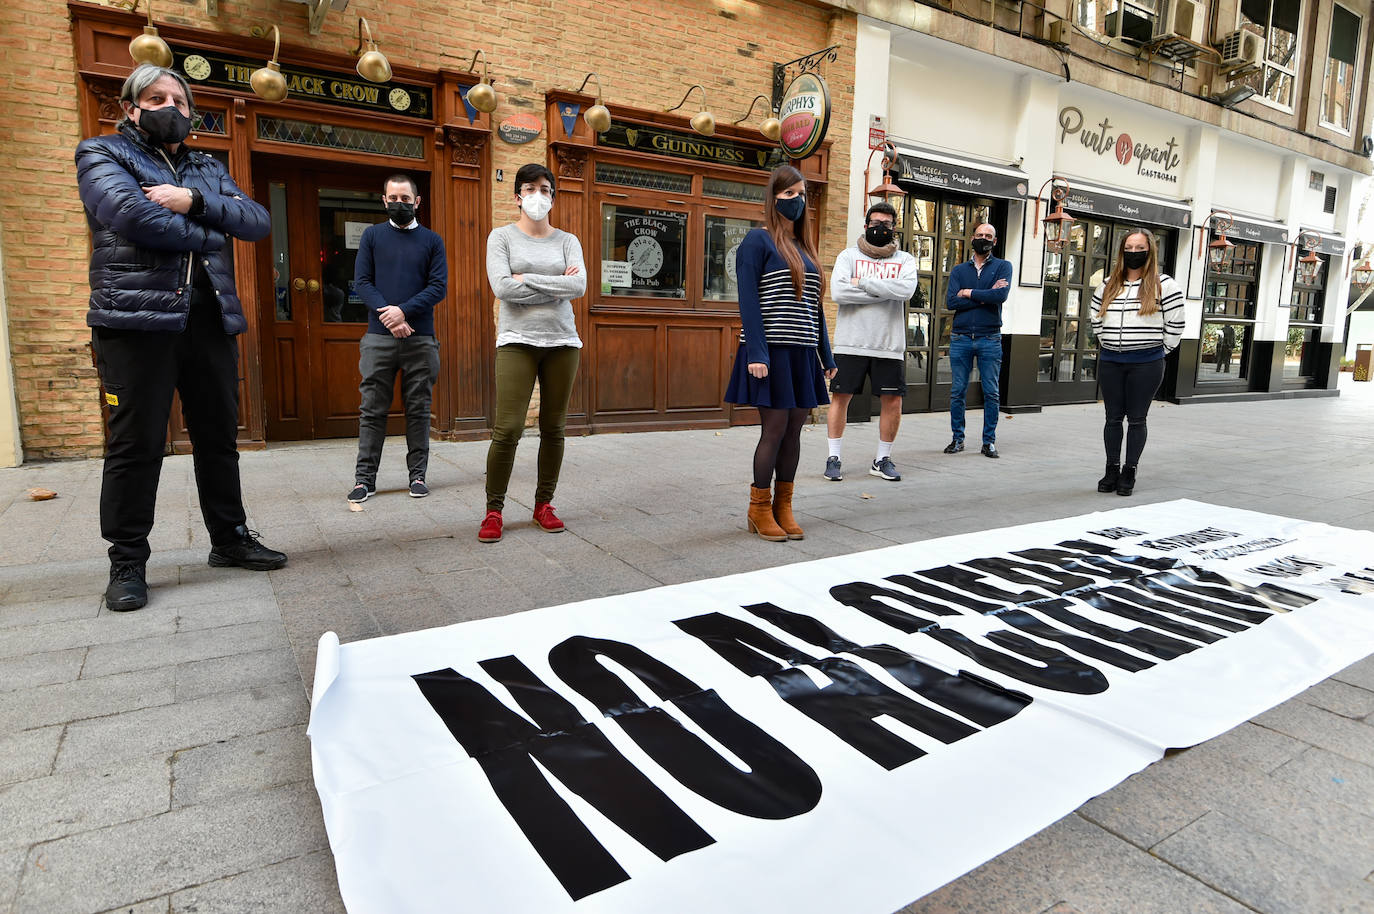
{"points": [[319, 9]]}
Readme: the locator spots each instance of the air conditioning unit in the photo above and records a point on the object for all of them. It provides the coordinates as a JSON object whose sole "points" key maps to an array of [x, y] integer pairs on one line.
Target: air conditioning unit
{"points": [[1184, 18], [1130, 26], [1242, 50]]}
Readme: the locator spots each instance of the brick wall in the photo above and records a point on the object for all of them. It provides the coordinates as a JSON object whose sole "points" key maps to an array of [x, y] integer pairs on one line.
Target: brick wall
{"points": [[646, 51]]}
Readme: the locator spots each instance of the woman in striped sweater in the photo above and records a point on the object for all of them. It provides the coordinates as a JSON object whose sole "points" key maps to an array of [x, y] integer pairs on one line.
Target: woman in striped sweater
{"points": [[784, 356], [1138, 320]]}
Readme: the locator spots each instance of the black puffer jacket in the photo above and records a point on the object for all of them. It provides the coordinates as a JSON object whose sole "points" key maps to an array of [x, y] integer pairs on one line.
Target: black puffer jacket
{"points": [[141, 252]]}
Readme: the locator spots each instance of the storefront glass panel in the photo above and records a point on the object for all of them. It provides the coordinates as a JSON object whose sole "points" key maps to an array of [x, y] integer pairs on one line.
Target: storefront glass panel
{"points": [[1228, 309], [643, 252], [723, 237], [1304, 328]]}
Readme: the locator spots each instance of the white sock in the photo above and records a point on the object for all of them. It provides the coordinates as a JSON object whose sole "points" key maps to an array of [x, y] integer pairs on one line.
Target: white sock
{"points": [[834, 444], [884, 449]]}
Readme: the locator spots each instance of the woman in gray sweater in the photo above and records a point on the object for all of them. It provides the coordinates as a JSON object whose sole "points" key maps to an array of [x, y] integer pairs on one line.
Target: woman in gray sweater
{"points": [[535, 270]]}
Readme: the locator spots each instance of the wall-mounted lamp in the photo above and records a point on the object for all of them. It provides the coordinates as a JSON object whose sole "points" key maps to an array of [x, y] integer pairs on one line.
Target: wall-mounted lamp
{"points": [[1363, 273], [149, 47], [598, 116], [887, 188], [1234, 95], [372, 65], [770, 127], [1309, 264], [267, 82], [703, 122], [1218, 250], [1056, 223], [482, 96]]}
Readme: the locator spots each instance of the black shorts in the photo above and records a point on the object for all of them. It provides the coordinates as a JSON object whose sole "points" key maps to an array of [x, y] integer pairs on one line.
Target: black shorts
{"points": [[888, 375]]}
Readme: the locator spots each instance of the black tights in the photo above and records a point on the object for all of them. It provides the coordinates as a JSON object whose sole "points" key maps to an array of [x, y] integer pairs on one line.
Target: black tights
{"points": [[1127, 389], [779, 445]]}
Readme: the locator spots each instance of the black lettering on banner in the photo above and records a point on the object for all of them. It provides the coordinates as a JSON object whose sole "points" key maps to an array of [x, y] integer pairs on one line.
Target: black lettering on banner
{"points": [[1290, 566], [1353, 582], [1117, 533], [1121, 601], [1196, 538], [1193, 580], [966, 580], [847, 707], [1142, 639], [1012, 570], [777, 784], [863, 596], [1060, 672], [572, 750]]}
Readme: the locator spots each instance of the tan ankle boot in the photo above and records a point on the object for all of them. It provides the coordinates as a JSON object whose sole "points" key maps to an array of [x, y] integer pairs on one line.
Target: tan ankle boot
{"points": [[782, 510], [761, 516]]}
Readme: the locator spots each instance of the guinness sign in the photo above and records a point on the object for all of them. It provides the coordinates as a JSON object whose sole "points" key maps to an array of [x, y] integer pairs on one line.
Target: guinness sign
{"points": [[683, 145]]}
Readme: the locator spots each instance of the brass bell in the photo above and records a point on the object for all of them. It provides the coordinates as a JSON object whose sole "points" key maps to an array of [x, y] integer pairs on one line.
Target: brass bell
{"points": [[267, 82], [482, 96], [372, 65]]}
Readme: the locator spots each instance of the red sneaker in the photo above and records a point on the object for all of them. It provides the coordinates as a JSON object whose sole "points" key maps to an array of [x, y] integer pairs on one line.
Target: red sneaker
{"points": [[546, 519], [490, 531]]}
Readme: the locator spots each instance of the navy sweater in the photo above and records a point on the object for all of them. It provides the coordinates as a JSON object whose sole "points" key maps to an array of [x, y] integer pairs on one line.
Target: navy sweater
{"points": [[402, 267], [770, 310], [981, 312]]}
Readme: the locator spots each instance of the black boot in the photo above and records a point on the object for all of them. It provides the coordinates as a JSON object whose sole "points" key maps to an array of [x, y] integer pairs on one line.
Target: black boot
{"points": [[1126, 484], [245, 551], [1108, 482], [128, 588]]}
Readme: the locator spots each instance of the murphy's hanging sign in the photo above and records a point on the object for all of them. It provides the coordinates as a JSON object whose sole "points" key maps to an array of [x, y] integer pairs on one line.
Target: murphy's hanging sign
{"points": [[1144, 155], [805, 115]]}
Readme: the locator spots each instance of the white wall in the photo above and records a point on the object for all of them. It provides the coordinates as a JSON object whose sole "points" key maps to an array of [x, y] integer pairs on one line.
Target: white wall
{"points": [[872, 48], [1247, 178]]}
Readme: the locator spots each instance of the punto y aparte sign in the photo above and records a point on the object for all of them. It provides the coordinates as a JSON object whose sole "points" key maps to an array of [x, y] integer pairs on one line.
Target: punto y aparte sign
{"points": [[1146, 155]]}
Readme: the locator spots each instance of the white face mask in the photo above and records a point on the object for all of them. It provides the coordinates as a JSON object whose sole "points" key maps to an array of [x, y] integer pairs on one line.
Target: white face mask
{"points": [[536, 206]]}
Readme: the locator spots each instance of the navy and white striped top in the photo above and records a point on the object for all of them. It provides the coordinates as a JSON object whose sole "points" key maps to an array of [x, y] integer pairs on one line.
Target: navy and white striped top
{"points": [[768, 305], [1125, 335]]}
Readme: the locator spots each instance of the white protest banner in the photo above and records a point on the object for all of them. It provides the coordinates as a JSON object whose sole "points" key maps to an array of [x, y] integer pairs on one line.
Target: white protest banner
{"points": [[843, 734]]}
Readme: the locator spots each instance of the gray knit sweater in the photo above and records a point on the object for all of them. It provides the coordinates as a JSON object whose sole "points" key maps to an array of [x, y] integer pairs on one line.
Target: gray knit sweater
{"points": [[537, 311]]}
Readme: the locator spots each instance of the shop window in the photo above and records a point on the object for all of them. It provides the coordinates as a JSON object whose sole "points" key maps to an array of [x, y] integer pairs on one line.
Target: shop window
{"points": [[1338, 86], [723, 237], [209, 122], [1277, 22], [643, 178], [1304, 328], [1228, 315], [329, 136], [643, 252], [733, 190]]}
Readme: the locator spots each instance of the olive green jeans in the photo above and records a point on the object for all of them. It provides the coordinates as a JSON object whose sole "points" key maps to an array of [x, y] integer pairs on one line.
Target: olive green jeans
{"points": [[517, 368]]}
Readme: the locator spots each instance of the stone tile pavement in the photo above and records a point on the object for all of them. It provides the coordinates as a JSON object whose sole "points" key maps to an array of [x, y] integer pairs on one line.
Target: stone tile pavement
{"points": [[157, 761]]}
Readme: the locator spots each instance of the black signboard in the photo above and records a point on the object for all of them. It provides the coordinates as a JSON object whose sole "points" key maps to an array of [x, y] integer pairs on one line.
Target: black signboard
{"points": [[970, 180], [1329, 244], [680, 144], [1126, 209], [229, 71], [1253, 231]]}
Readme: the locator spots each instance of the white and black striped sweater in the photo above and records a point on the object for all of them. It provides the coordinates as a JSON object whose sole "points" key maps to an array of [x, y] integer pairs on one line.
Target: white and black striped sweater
{"points": [[770, 310], [1124, 329]]}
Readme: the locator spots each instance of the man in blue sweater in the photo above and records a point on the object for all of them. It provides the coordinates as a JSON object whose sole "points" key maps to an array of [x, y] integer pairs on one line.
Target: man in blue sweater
{"points": [[976, 291], [401, 273]]}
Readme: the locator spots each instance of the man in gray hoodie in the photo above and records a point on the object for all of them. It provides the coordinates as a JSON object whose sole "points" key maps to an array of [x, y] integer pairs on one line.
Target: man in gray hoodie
{"points": [[871, 284]]}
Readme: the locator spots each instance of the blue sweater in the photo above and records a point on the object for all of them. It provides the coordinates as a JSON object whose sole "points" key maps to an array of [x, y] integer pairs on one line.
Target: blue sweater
{"points": [[413, 275], [769, 308], [981, 312]]}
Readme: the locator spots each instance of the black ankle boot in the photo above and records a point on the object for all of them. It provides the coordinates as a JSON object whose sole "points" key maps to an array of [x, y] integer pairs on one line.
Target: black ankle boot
{"points": [[245, 550], [128, 588], [1108, 482], [1125, 485]]}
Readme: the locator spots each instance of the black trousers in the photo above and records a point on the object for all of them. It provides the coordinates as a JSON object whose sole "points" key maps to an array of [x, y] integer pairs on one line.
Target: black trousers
{"points": [[140, 370], [380, 358], [1127, 389]]}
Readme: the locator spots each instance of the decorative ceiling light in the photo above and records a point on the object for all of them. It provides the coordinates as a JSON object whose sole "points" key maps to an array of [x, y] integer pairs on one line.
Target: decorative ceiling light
{"points": [[267, 82], [703, 122], [149, 47], [481, 96], [770, 127], [372, 64], [598, 116]]}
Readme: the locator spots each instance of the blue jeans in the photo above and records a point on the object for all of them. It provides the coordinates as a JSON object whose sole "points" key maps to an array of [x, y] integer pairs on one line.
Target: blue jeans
{"points": [[962, 349]]}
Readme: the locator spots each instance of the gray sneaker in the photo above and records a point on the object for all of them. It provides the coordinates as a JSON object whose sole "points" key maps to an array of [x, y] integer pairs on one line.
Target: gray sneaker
{"points": [[832, 469], [885, 469]]}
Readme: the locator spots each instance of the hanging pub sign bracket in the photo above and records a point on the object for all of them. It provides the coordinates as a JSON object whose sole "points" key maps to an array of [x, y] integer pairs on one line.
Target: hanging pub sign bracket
{"points": [[318, 10], [803, 64]]}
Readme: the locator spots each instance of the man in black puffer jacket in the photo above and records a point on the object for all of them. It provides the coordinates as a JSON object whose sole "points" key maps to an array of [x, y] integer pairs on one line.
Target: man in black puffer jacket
{"points": [[163, 317]]}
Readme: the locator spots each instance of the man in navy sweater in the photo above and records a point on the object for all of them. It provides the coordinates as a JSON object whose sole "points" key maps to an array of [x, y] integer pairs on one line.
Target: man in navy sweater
{"points": [[976, 291], [401, 273]]}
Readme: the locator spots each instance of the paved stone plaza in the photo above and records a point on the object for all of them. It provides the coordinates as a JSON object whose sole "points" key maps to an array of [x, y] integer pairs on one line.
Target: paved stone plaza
{"points": [[156, 761]]}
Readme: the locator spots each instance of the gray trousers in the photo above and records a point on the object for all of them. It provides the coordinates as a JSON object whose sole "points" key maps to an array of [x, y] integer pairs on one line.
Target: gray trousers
{"points": [[380, 358]]}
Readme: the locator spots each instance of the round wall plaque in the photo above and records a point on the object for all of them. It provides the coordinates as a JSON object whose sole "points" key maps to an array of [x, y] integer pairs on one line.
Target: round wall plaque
{"points": [[805, 115], [519, 129]]}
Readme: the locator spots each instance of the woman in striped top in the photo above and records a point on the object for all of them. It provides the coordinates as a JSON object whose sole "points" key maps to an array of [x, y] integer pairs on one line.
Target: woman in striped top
{"points": [[784, 356], [1138, 319]]}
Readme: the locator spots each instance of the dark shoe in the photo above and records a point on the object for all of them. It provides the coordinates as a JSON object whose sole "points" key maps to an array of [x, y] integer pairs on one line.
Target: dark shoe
{"points": [[246, 551], [833, 472], [361, 493], [128, 589], [990, 450], [885, 469], [954, 446], [1108, 482], [490, 531], [546, 519], [418, 489], [1125, 485]]}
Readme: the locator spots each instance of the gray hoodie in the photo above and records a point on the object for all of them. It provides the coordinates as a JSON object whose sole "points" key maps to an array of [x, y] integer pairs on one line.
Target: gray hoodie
{"points": [[872, 294]]}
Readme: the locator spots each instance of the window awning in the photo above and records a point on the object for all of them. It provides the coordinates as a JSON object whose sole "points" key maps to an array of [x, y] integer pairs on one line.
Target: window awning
{"points": [[1258, 230], [1087, 200], [917, 168], [1330, 244]]}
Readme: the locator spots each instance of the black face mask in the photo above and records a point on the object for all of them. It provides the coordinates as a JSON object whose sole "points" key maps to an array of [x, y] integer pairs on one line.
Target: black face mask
{"points": [[164, 125], [879, 234], [401, 213], [982, 246], [1135, 260]]}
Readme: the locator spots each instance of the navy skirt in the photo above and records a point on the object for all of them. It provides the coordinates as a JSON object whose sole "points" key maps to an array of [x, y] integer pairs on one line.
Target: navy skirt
{"points": [[795, 380]]}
